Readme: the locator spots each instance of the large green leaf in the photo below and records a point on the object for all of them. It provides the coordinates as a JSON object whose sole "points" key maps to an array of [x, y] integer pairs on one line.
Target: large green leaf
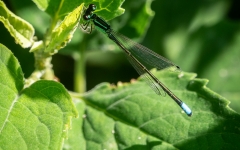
{"points": [[201, 37], [219, 58], [37, 117], [19, 29], [132, 116]]}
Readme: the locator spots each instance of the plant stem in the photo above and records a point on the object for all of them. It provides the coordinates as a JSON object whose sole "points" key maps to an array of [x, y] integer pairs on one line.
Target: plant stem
{"points": [[43, 68], [79, 69]]}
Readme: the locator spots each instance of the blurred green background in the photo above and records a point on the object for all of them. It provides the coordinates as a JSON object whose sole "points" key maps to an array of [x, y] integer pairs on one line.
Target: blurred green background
{"points": [[200, 36]]}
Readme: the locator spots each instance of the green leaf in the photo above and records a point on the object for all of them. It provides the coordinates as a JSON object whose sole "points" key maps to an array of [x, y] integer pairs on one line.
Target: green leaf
{"points": [[36, 117], [220, 57], [19, 29], [108, 9], [38, 19], [75, 138], [132, 116], [42, 4], [58, 8], [128, 24], [65, 18], [63, 33], [203, 38], [59, 35], [138, 18], [133, 24], [11, 74]]}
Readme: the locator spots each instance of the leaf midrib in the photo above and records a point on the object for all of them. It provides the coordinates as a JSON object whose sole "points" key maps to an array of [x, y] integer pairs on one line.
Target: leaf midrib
{"points": [[9, 112]]}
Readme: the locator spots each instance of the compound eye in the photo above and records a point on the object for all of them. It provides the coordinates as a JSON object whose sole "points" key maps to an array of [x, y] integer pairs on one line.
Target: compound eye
{"points": [[86, 17], [93, 7]]}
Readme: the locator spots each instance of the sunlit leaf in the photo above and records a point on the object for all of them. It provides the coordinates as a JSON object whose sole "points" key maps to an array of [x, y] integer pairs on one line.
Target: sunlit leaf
{"points": [[37, 117], [63, 33], [19, 29], [132, 116]]}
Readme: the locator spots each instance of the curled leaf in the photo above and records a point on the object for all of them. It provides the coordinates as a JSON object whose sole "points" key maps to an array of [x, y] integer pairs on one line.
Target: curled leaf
{"points": [[63, 33], [20, 30]]}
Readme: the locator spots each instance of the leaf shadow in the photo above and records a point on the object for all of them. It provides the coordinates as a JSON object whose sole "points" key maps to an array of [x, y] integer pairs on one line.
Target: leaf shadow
{"points": [[13, 69], [150, 145]]}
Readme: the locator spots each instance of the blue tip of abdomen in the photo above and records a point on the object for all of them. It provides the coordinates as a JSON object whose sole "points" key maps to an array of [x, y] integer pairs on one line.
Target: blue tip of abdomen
{"points": [[186, 109]]}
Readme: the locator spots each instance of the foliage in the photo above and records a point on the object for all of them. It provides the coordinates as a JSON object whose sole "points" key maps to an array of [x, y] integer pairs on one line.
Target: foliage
{"points": [[36, 111]]}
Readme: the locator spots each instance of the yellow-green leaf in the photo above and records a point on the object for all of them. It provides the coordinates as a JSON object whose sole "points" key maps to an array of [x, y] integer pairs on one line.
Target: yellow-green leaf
{"points": [[63, 33], [20, 30]]}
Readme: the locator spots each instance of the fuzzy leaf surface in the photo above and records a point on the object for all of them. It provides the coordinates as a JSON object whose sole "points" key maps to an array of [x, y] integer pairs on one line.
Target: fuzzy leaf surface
{"points": [[132, 116], [36, 117]]}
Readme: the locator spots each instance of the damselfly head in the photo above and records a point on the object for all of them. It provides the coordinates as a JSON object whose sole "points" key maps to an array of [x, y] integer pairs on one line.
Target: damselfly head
{"points": [[92, 7], [89, 12]]}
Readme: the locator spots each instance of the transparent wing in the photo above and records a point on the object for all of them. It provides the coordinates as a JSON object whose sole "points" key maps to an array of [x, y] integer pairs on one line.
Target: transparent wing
{"points": [[143, 54], [146, 77]]}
